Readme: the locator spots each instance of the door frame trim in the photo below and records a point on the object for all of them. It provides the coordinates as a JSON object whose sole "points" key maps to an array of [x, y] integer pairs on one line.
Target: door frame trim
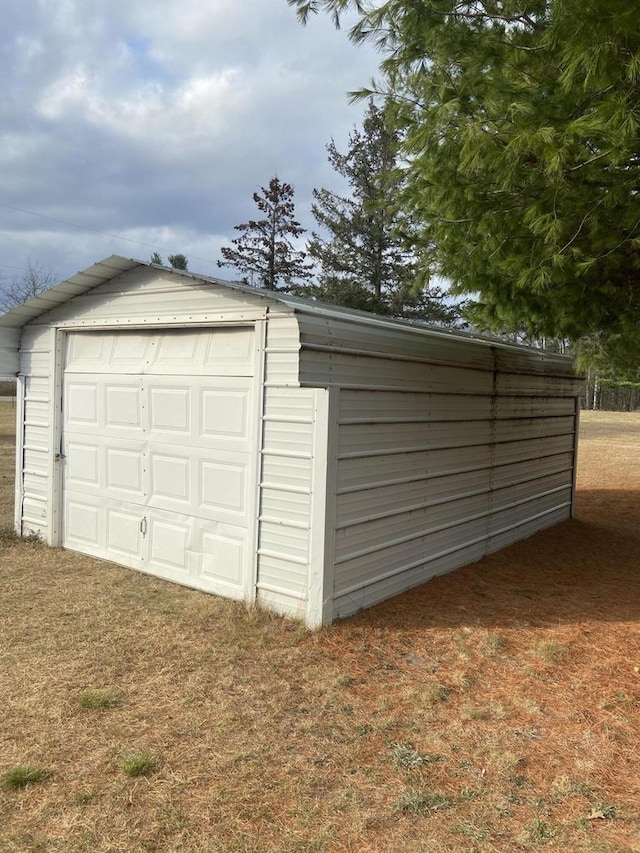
{"points": [[55, 495]]}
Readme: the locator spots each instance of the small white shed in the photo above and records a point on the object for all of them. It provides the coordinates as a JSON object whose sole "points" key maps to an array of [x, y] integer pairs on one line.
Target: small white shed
{"points": [[313, 459]]}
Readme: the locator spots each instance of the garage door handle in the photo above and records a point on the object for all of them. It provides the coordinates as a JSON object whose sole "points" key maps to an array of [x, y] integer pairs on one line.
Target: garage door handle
{"points": [[143, 526]]}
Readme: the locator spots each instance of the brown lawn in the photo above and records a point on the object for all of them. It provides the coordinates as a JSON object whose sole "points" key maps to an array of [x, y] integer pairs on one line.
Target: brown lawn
{"points": [[493, 709]]}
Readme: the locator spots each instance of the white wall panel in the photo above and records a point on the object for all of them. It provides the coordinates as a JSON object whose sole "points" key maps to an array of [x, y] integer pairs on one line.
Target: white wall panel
{"points": [[427, 481], [288, 445], [528, 527], [517, 384], [358, 406], [534, 448], [533, 407], [398, 557], [513, 429], [288, 437], [35, 363], [319, 368], [531, 469], [281, 471], [134, 305], [362, 333], [363, 503], [384, 531], [403, 437], [394, 583], [358, 470], [33, 458], [282, 352]]}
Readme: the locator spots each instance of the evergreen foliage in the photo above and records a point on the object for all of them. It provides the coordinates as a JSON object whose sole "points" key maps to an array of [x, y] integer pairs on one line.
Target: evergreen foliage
{"points": [[520, 129], [264, 253], [178, 262], [368, 259]]}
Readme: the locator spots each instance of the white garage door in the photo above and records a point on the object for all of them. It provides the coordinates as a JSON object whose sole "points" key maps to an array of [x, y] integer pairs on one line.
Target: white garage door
{"points": [[158, 441]]}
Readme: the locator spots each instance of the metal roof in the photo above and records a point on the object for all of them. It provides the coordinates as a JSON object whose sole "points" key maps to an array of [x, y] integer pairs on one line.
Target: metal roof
{"points": [[115, 265]]}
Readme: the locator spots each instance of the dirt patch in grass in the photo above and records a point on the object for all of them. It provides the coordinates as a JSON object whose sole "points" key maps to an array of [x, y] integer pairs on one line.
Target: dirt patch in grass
{"points": [[493, 709]]}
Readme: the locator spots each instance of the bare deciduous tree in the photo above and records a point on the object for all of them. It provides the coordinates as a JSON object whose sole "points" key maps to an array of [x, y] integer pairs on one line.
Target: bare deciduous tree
{"points": [[20, 288]]}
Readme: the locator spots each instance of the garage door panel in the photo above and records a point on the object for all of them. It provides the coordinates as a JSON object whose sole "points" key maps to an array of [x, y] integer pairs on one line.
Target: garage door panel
{"points": [[89, 351], [223, 488], [170, 411], [81, 405], [125, 473], [171, 477], [231, 352], [179, 351], [170, 544], [94, 407], [212, 485], [124, 539], [124, 407], [83, 469], [225, 414], [222, 559], [130, 350], [84, 523], [159, 467]]}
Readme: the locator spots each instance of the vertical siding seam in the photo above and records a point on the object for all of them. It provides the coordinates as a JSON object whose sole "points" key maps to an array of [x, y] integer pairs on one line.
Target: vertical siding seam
{"points": [[493, 429], [576, 428]]}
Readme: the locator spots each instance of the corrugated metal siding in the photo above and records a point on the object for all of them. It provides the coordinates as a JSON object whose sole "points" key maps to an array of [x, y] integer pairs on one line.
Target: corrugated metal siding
{"points": [[362, 371], [35, 367], [371, 334], [288, 447], [362, 351], [147, 296], [282, 351], [427, 482]]}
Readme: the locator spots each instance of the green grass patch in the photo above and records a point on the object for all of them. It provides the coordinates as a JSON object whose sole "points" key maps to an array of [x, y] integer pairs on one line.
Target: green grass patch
{"points": [[23, 775], [99, 700], [550, 652], [139, 764]]}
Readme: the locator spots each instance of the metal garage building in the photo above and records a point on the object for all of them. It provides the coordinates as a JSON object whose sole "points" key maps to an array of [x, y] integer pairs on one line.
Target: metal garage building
{"points": [[261, 447]]}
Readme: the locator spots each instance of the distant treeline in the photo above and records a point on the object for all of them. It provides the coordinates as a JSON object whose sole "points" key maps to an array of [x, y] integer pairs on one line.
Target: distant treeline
{"points": [[608, 395]]}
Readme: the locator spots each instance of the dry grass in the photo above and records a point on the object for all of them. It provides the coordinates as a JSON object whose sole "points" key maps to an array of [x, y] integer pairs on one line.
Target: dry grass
{"points": [[7, 462], [430, 723]]}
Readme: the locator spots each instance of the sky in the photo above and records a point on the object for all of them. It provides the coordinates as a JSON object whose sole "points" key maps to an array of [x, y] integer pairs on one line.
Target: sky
{"points": [[157, 120]]}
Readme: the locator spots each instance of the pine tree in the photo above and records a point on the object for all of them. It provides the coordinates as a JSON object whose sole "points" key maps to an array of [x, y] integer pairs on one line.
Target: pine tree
{"points": [[178, 262], [521, 132], [264, 253], [369, 258]]}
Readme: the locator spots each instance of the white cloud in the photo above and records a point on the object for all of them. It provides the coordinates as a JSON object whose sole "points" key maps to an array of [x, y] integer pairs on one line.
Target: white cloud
{"points": [[161, 118]]}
